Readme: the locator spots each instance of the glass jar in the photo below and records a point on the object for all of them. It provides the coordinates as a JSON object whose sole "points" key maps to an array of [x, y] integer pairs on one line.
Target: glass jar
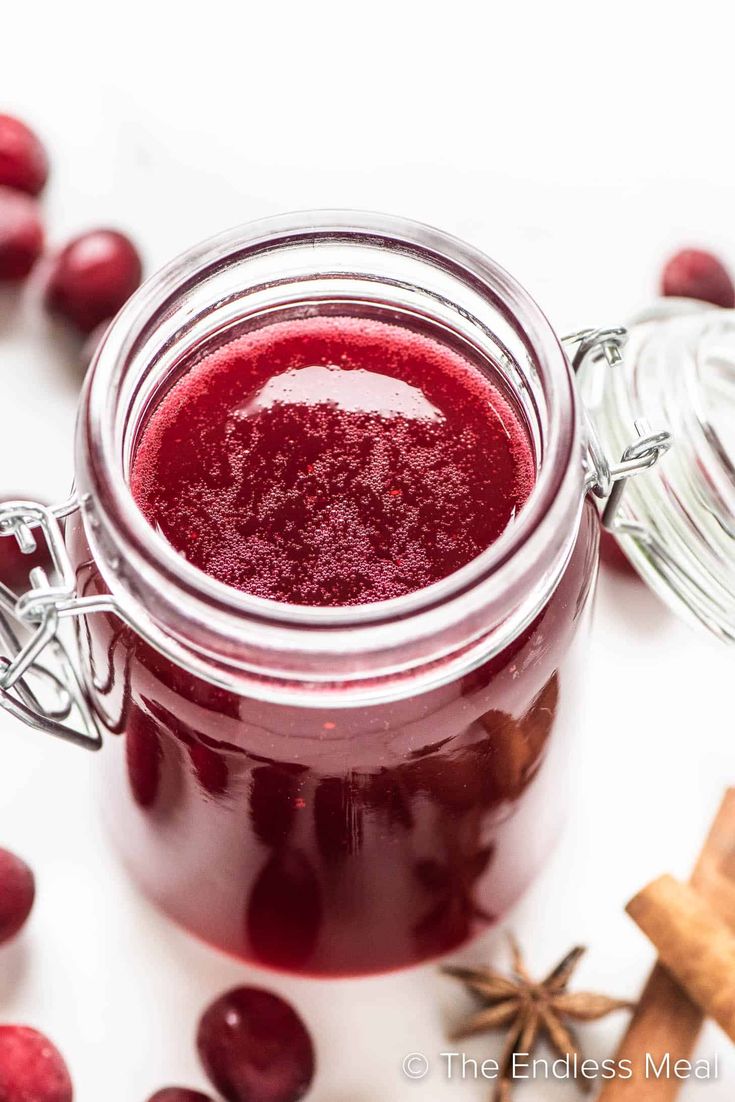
{"points": [[328, 791]]}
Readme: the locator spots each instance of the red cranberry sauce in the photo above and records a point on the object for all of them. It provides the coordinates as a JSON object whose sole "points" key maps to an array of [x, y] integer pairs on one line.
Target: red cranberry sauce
{"points": [[334, 461]]}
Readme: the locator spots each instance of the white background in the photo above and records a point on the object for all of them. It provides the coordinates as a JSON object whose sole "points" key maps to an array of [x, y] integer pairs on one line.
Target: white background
{"points": [[574, 143]]}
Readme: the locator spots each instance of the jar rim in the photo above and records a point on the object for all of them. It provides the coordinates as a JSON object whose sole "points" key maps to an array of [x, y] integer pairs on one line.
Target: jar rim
{"points": [[116, 526]]}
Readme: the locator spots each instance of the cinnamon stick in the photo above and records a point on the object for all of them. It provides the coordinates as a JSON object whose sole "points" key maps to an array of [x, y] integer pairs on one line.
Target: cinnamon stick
{"points": [[666, 1020], [693, 942]]}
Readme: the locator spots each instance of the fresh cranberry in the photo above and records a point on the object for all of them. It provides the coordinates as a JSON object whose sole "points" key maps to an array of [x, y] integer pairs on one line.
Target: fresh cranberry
{"points": [[31, 1068], [693, 273], [179, 1094], [15, 566], [93, 277], [23, 160], [21, 234], [17, 892], [255, 1047]]}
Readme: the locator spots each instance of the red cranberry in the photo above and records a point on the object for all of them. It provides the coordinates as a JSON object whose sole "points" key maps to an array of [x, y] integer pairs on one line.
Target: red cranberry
{"points": [[23, 160], [21, 234], [17, 892], [15, 566], [179, 1094], [693, 273], [255, 1047], [31, 1068], [93, 277]]}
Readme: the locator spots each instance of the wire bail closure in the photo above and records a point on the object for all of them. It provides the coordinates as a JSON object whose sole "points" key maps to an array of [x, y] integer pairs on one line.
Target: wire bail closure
{"points": [[29, 626], [607, 481]]}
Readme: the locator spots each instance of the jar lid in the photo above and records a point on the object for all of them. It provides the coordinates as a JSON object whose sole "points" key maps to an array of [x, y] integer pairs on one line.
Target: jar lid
{"points": [[676, 523]]}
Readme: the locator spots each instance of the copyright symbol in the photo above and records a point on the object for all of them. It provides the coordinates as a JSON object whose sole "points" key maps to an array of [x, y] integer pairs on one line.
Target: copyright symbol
{"points": [[415, 1065]]}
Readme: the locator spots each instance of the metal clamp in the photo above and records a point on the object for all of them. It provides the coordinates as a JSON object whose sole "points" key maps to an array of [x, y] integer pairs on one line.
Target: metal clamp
{"points": [[29, 626], [607, 480]]}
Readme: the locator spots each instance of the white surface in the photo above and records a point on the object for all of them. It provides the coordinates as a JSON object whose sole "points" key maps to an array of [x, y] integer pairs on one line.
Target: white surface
{"points": [[524, 138]]}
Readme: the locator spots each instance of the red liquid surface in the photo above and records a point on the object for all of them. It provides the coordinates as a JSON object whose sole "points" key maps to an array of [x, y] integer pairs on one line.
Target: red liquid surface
{"points": [[332, 461], [343, 841]]}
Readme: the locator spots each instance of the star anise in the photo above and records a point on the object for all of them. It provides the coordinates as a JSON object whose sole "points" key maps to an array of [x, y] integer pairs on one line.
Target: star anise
{"points": [[530, 1010]]}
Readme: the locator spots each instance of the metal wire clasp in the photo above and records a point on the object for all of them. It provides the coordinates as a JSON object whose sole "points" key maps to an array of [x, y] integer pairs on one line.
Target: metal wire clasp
{"points": [[50, 699], [607, 480]]}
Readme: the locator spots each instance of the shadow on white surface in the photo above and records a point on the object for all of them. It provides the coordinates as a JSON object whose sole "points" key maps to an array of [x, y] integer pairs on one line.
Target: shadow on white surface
{"points": [[14, 959], [10, 298], [632, 605]]}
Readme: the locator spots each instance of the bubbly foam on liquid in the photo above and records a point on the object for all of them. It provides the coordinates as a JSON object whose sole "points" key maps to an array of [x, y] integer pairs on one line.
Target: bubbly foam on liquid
{"points": [[332, 461]]}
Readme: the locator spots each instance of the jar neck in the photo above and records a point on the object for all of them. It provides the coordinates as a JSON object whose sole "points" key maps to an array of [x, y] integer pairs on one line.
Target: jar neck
{"points": [[304, 263]]}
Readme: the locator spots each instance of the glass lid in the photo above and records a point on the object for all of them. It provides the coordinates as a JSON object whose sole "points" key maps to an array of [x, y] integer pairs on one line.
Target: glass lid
{"points": [[676, 523]]}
